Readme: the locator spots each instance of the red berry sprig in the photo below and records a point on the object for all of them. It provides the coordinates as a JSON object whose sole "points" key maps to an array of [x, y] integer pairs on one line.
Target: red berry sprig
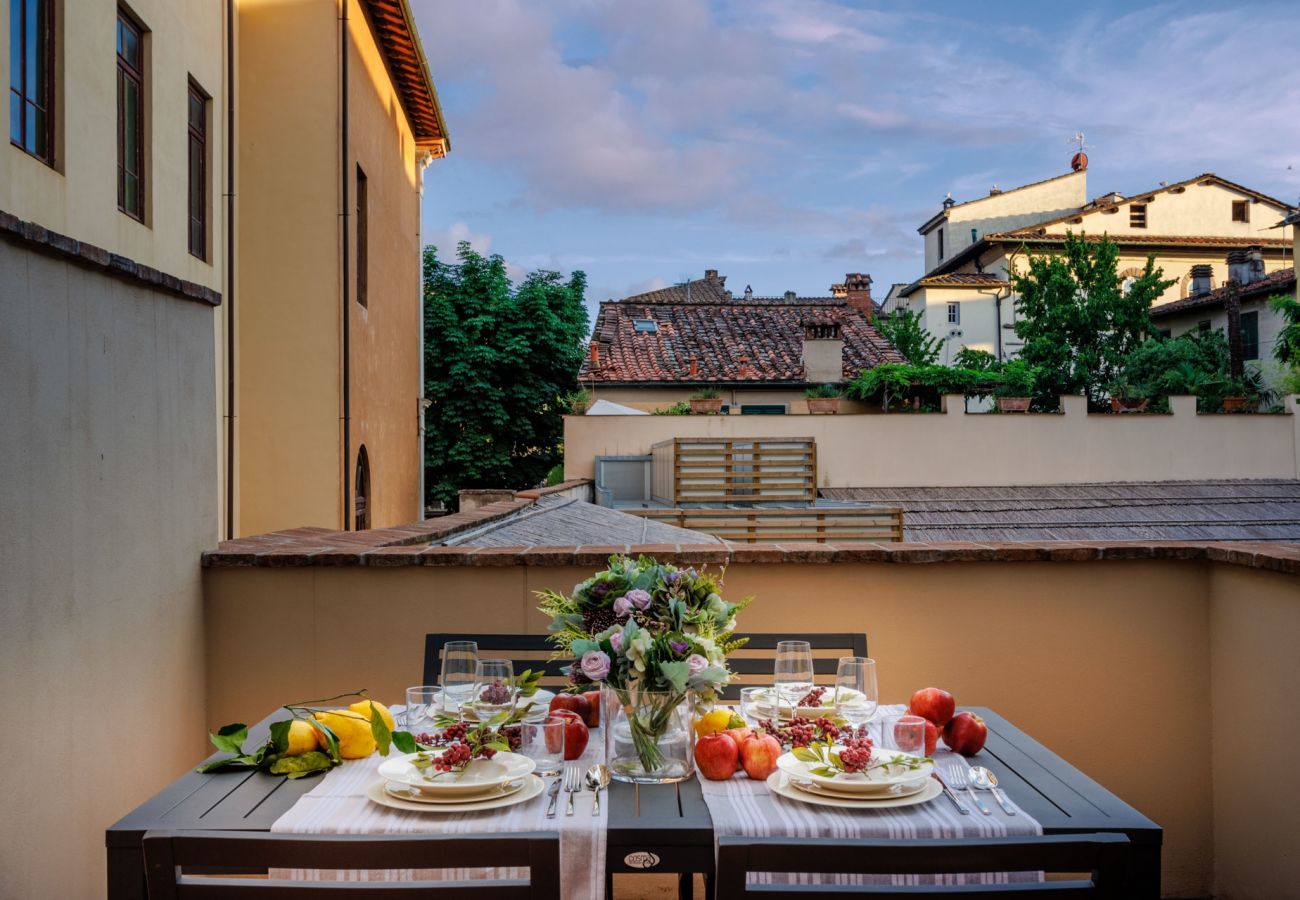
{"points": [[856, 754], [813, 697], [456, 757]]}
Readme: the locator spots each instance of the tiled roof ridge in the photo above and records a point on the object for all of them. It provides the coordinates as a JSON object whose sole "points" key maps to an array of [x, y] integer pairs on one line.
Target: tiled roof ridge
{"points": [[1273, 281], [1121, 239]]}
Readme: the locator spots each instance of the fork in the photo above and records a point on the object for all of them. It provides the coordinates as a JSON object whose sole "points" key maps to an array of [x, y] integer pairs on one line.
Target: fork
{"points": [[957, 775], [572, 784]]}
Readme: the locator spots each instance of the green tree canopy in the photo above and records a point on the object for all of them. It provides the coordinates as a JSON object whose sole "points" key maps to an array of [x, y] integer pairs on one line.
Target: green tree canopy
{"points": [[1076, 319], [497, 359], [904, 330]]}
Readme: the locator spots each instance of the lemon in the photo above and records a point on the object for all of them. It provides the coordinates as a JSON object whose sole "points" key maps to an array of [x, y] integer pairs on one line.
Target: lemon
{"points": [[712, 722], [302, 738], [352, 731], [363, 707]]}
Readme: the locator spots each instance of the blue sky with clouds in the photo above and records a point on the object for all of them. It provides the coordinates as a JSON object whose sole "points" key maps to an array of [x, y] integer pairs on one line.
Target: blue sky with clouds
{"points": [[788, 142]]}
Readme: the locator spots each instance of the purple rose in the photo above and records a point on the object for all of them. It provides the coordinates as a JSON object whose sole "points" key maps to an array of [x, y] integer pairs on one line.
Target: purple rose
{"points": [[678, 646], [616, 641], [640, 599], [622, 607], [695, 664], [595, 665]]}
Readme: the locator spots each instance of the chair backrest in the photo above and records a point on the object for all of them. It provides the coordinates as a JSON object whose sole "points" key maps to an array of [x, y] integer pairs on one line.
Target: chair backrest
{"points": [[758, 657], [1103, 857], [525, 651], [168, 855]]}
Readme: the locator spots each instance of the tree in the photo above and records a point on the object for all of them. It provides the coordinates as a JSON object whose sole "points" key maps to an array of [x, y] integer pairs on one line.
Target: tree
{"points": [[903, 329], [497, 359], [1287, 348], [1076, 319]]}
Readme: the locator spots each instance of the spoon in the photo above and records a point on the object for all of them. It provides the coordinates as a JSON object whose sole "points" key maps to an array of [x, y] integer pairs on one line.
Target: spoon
{"points": [[985, 780], [597, 780]]}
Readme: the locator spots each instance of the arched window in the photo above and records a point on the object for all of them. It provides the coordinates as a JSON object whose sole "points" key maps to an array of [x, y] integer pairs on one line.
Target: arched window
{"points": [[361, 520]]}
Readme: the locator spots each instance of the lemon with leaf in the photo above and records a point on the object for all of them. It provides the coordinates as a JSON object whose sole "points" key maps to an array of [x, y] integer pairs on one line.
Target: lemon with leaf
{"points": [[363, 707], [352, 730], [301, 737]]}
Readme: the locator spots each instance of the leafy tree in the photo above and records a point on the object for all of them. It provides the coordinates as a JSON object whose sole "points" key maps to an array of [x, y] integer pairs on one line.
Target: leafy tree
{"points": [[1287, 348], [1076, 319], [904, 330], [1192, 363], [498, 360]]}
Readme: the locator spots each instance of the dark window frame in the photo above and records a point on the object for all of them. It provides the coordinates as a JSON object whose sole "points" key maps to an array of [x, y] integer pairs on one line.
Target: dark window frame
{"points": [[363, 237], [130, 73], [198, 195], [940, 244], [1137, 215], [1250, 335], [1242, 206], [954, 312], [20, 92], [361, 491]]}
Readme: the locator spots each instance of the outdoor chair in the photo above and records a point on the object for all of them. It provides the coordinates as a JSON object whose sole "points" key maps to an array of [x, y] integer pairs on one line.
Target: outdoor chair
{"points": [[1102, 856], [525, 651], [207, 855]]}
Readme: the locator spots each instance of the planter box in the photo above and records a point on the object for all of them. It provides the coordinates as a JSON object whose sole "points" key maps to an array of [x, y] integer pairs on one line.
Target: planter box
{"points": [[823, 406], [707, 407], [1235, 404], [1133, 405], [1014, 404]]}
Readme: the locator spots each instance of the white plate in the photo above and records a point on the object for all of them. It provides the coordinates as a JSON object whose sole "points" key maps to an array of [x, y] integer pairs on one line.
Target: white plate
{"points": [[879, 782], [899, 790], [767, 705], [400, 791], [778, 783], [541, 702], [533, 786], [479, 775]]}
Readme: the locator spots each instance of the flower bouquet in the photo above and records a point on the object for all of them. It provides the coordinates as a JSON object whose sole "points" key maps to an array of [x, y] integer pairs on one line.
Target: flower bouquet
{"points": [[652, 636]]}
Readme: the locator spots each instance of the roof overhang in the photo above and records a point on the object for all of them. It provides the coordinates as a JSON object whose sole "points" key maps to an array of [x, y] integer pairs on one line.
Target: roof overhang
{"points": [[399, 41]]}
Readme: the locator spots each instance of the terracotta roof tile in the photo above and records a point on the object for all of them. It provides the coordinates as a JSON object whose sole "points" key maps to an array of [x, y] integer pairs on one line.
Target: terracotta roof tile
{"points": [[964, 279], [1281, 281], [1033, 237]]}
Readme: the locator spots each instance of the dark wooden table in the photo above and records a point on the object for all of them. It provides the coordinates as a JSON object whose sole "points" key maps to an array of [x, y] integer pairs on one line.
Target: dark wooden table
{"points": [[660, 828]]}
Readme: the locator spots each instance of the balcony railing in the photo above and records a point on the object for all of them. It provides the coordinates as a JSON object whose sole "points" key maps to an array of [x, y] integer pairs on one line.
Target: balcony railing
{"points": [[734, 470]]}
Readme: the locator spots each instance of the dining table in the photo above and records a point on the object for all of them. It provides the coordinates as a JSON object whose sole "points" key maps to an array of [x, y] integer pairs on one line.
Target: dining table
{"points": [[659, 828]]}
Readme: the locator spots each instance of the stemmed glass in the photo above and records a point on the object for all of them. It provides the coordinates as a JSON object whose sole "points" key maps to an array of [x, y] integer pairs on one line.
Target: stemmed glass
{"points": [[459, 659], [856, 695], [494, 687], [793, 677]]}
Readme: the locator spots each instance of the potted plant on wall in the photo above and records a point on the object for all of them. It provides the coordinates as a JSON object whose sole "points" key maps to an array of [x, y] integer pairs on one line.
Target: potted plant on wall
{"points": [[579, 401], [1126, 397], [823, 399], [1247, 393], [1015, 386], [706, 401]]}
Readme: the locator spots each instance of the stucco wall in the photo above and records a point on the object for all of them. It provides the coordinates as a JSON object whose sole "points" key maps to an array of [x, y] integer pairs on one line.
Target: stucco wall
{"points": [[956, 448], [108, 437], [653, 398]]}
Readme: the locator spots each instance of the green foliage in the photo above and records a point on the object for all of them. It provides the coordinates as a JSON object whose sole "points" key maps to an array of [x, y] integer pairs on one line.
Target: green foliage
{"points": [[1194, 363], [895, 385], [577, 402], [680, 408], [555, 476], [706, 393], [1015, 378], [498, 360], [1077, 321], [1287, 348], [904, 330], [823, 392], [978, 360]]}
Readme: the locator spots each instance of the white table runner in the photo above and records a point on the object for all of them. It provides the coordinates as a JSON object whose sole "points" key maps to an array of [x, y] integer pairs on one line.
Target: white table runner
{"points": [[338, 805], [746, 807]]}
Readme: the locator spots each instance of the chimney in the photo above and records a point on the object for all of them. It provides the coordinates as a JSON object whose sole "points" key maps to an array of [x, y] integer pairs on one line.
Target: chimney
{"points": [[857, 287], [790, 296], [749, 292], [823, 351], [595, 354], [710, 273], [695, 367], [1255, 256], [994, 191], [1238, 266], [1202, 277], [948, 202]]}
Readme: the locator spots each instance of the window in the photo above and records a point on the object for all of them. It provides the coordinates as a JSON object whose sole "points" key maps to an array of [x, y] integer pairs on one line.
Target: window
{"points": [[198, 195], [954, 313], [31, 77], [762, 409], [130, 117], [1250, 335], [1137, 215], [974, 235], [1240, 211], [363, 238], [361, 505], [941, 243], [645, 325]]}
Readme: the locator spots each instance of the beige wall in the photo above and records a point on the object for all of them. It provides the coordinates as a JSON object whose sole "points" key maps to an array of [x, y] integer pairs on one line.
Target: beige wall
{"points": [[956, 448], [653, 398], [1100, 661], [108, 434]]}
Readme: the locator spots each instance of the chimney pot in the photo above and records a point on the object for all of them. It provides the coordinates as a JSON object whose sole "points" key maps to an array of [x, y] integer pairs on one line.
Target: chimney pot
{"points": [[790, 296], [1238, 266], [710, 273], [595, 353], [948, 202], [695, 367], [749, 292], [857, 289], [1202, 277]]}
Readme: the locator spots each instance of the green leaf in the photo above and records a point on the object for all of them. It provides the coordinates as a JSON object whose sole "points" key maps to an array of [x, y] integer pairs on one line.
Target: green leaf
{"points": [[404, 741], [498, 745], [280, 735], [824, 771], [835, 759], [313, 761], [499, 719], [804, 754], [380, 730], [230, 738], [331, 740]]}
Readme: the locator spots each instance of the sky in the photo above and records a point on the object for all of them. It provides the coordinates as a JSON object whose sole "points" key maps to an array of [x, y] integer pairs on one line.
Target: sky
{"points": [[787, 142]]}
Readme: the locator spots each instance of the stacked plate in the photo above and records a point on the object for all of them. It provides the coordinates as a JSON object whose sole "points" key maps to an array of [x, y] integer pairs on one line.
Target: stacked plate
{"points": [[769, 704], [412, 782], [539, 708], [882, 786]]}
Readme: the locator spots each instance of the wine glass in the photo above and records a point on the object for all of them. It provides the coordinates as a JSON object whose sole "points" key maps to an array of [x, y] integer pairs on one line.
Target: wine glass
{"points": [[793, 677], [494, 687], [458, 661], [856, 696]]}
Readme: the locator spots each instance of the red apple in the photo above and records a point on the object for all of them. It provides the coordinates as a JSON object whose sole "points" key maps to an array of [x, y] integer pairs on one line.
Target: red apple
{"points": [[758, 755], [716, 756], [593, 713], [578, 703], [739, 735], [931, 735], [966, 734], [933, 704], [576, 734]]}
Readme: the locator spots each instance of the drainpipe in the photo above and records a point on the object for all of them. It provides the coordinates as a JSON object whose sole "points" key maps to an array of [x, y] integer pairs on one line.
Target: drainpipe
{"points": [[345, 218], [230, 269], [997, 306]]}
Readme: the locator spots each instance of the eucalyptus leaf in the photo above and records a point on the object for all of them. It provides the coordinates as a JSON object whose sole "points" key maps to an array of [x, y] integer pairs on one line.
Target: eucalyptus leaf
{"points": [[230, 738], [380, 730], [675, 673]]}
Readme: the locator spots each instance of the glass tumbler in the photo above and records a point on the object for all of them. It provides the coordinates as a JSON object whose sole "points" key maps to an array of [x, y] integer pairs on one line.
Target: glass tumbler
{"points": [[543, 743], [423, 705], [856, 696], [903, 734]]}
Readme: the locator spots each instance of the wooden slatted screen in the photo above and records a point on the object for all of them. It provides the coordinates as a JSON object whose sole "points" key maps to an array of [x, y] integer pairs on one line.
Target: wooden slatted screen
{"points": [[836, 525], [736, 470]]}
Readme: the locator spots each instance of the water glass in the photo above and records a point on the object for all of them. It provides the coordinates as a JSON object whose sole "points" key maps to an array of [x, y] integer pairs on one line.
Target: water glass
{"points": [[856, 695], [793, 677], [458, 661], [903, 734], [755, 704], [423, 703], [494, 687], [543, 742]]}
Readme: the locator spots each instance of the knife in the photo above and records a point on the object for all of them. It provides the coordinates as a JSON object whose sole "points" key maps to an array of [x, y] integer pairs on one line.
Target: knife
{"points": [[555, 795], [961, 807]]}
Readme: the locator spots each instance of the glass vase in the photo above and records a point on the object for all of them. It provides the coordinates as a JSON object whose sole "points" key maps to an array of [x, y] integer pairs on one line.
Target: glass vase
{"points": [[647, 734]]}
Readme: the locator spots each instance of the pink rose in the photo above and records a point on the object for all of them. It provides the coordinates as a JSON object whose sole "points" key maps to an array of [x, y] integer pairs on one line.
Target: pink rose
{"points": [[695, 664], [595, 665], [622, 607], [640, 599], [616, 641]]}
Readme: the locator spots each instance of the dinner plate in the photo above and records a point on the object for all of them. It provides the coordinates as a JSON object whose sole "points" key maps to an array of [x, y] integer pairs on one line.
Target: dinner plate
{"points": [[880, 781], [533, 787], [479, 775], [401, 791], [779, 783], [901, 790], [541, 702], [766, 705]]}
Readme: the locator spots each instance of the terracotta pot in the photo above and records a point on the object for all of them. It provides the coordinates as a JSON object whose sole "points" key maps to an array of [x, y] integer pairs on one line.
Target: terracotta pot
{"points": [[1234, 404], [707, 407], [823, 406], [1014, 404], [1130, 405]]}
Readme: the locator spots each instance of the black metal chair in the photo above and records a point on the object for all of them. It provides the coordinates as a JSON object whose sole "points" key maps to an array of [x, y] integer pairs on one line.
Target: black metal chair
{"points": [[1103, 856], [207, 854], [525, 651]]}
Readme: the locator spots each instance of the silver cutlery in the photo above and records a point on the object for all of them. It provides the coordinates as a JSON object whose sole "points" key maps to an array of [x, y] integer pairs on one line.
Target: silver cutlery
{"points": [[948, 792], [572, 784], [985, 780], [957, 775], [597, 780], [555, 795]]}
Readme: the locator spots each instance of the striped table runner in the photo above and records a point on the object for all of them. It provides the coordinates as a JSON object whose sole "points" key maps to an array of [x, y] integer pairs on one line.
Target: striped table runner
{"points": [[338, 805], [746, 807]]}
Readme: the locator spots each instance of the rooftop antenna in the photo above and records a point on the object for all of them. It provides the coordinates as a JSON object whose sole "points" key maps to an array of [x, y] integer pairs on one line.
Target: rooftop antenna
{"points": [[1079, 161]]}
